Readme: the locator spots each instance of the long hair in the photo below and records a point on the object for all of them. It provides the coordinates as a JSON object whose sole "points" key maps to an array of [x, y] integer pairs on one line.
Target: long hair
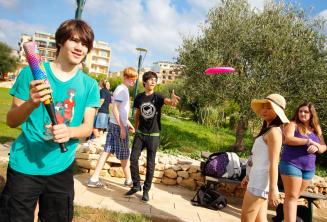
{"points": [[265, 127], [103, 83], [313, 122]]}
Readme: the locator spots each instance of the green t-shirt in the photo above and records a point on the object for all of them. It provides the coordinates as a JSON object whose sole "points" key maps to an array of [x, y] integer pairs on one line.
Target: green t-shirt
{"points": [[34, 152]]}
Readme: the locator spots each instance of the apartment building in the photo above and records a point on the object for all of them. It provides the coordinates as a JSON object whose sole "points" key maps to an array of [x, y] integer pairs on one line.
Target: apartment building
{"points": [[167, 71], [97, 61], [46, 45]]}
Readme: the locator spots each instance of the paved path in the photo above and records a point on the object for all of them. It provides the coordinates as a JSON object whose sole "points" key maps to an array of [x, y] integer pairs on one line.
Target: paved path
{"points": [[172, 203]]}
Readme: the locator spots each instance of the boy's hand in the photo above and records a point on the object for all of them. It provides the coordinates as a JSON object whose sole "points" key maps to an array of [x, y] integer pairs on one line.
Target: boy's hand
{"points": [[61, 132], [245, 182], [122, 133], [131, 128], [39, 92], [174, 99]]}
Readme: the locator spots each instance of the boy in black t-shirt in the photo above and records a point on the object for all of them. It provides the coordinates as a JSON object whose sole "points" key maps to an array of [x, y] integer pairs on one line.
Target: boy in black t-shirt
{"points": [[147, 125]]}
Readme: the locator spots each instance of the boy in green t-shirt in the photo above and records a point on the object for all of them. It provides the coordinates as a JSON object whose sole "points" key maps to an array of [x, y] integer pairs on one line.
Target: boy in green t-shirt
{"points": [[37, 169]]}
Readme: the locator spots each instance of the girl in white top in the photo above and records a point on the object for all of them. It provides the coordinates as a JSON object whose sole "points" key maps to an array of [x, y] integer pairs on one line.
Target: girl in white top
{"points": [[262, 179]]}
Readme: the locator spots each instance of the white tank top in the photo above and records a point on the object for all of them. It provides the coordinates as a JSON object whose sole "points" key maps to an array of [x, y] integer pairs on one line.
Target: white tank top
{"points": [[259, 174]]}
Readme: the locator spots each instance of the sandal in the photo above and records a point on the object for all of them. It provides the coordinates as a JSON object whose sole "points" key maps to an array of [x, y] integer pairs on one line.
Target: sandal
{"points": [[96, 184]]}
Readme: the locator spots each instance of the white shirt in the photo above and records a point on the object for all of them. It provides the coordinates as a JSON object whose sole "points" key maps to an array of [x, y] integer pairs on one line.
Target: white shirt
{"points": [[259, 174], [121, 98]]}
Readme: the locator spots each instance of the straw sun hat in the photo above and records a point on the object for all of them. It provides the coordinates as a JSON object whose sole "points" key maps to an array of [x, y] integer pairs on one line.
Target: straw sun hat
{"points": [[277, 102]]}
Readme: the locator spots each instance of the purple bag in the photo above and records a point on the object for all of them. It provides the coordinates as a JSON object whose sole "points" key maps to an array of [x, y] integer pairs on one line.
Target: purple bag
{"points": [[216, 164]]}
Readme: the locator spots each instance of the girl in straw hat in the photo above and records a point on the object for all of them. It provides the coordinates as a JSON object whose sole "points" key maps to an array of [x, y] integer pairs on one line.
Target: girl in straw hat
{"points": [[262, 179], [303, 139]]}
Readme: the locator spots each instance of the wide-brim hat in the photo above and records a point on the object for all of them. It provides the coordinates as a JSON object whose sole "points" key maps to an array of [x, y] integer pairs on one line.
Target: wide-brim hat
{"points": [[277, 102]]}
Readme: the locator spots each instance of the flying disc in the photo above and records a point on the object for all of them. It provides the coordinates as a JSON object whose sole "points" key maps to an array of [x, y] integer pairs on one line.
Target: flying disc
{"points": [[219, 70]]}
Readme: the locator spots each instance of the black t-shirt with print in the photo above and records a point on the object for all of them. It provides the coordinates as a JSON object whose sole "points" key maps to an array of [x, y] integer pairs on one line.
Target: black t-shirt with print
{"points": [[150, 111]]}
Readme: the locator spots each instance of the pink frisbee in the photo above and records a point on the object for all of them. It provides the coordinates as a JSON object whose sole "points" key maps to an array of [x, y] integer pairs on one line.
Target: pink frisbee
{"points": [[219, 70]]}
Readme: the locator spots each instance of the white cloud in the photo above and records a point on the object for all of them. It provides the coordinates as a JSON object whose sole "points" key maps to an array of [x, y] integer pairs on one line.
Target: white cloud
{"points": [[9, 3], [257, 4], [155, 25], [10, 31], [323, 14]]}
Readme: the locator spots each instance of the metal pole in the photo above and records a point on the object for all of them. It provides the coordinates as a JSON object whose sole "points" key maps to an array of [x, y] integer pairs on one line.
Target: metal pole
{"points": [[79, 9], [136, 83]]}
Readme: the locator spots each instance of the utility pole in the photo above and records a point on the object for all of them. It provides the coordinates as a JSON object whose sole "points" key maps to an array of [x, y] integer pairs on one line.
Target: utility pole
{"points": [[142, 53], [79, 8]]}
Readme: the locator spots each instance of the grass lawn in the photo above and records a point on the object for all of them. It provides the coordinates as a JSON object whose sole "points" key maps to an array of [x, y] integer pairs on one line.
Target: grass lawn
{"points": [[6, 133], [191, 138]]}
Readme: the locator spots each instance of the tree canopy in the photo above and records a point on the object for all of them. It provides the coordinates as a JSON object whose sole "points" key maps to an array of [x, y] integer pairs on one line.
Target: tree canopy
{"points": [[276, 50], [8, 63]]}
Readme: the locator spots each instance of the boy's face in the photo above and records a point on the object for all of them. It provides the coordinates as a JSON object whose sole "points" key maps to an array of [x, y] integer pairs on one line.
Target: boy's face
{"points": [[130, 81], [73, 50], [150, 83]]}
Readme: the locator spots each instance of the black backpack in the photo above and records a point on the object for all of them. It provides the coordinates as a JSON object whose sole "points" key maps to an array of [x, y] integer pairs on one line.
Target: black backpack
{"points": [[303, 214], [209, 198]]}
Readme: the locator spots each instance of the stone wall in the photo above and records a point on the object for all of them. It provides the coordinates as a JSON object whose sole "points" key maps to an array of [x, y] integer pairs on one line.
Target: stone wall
{"points": [[169, 170]]}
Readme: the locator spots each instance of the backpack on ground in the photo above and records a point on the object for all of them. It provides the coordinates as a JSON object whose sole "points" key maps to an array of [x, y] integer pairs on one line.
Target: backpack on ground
{"points": [[302, 214], [209, 198], [222, 165]]}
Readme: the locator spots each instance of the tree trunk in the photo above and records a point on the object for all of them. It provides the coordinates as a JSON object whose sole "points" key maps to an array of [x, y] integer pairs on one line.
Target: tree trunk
{"points": [[240, 131]]}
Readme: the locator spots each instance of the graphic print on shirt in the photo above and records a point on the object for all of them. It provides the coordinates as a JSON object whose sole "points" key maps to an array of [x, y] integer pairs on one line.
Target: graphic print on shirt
{"points": [[65, 109], [148, 110]]}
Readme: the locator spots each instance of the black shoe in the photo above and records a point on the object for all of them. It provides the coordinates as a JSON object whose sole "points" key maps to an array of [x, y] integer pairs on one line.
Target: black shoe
{"points": [[133, 190], [145, 196]]}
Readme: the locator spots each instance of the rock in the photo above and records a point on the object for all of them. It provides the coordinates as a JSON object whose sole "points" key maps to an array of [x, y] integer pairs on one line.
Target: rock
{"points": [[142, 177], [116, 172], [176, 167], [185, 167], [197, 176], [188, 183], [105, 174], [183, 174], [156, 180], [168, 166], [88, 164], [87, 156], [170, 173], [179, 180], [113, 159], [173, 161], [158, 174], [142, 170], [159, 166], [163, 160], [168, 181], [194, 169]]}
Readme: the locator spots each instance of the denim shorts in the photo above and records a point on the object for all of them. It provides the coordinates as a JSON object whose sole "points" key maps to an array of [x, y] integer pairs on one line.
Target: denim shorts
{"points": [[289, 169], [101, 121]]}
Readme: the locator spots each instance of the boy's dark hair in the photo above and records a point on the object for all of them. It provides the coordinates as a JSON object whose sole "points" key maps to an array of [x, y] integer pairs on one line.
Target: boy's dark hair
{"points": [[72, 27], [149, 75]]}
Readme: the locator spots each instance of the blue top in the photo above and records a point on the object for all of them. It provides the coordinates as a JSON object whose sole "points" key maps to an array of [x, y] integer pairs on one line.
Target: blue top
{"points": [[298, 155], [34, 151]]}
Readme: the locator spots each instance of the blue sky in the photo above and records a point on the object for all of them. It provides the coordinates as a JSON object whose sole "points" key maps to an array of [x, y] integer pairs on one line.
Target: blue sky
{"points": [[157, 25]]}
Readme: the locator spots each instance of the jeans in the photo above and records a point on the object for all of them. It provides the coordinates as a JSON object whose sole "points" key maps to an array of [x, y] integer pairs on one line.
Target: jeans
{"points": [[151, 144]]}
